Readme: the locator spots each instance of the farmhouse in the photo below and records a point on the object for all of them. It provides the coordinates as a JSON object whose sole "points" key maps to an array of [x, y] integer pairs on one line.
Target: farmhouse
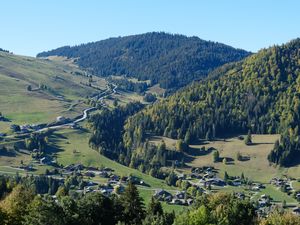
{"points": [[236, 182], [46, 160], [296, 210], [162, 195], [60, 119]]}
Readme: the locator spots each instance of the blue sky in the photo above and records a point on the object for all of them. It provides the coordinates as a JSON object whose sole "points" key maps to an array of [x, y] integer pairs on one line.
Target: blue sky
{"points": [[31, 26]]}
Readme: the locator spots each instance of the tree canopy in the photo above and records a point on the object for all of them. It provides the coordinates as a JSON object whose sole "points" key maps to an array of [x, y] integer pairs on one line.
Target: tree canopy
{"points": [[170, 60]]}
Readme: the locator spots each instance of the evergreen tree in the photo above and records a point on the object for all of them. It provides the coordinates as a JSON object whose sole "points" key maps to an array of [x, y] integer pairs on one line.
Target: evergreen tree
{"points": [[134, 211], [248, 139], [155, 208], [226, 177], [216, 156]]}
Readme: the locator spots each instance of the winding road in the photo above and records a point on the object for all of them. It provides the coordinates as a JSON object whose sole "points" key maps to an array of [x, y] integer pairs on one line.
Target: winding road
{"points": [[109, 91], [98, 98]]}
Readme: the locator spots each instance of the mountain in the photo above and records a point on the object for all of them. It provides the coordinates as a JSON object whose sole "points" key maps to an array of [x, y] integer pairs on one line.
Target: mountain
{"points": [[259, 94], [170, 60]]}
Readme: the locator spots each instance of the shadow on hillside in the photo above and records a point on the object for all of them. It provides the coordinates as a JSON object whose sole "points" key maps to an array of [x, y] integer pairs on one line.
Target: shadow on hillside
{"points": [[53, 149], [192, 151], [229, 160], [8, 153], [261, 143], [58, 136], [295, 162]]}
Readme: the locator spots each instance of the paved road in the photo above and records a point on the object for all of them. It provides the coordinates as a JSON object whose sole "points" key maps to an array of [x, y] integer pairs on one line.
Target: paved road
{"points": [[109, 91], [86, 111]]}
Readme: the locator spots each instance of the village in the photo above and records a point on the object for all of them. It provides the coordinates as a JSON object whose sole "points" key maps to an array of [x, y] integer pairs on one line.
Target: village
{"points": [[199, 181]]}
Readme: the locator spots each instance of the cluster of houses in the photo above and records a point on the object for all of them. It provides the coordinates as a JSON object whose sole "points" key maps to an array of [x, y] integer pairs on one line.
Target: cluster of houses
{"points": [[257, 186], [27, 128], [178, 198], [264, 201], [206, 176], [283, 183], [115, 183]]}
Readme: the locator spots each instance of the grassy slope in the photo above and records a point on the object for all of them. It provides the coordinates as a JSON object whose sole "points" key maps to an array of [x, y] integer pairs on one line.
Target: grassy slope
{"points": [[22, 106], [257, 168], [65, 141]]}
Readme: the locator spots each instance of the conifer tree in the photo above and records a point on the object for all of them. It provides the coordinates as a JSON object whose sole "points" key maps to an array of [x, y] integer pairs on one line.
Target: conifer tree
{"points": [[134, 211]]}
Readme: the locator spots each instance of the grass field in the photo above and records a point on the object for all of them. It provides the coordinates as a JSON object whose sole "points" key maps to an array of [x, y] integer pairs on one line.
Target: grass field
{"points": [[257, 168], [65, 141], [277, 195], [64, 94], [63, 144], [296, 185]]}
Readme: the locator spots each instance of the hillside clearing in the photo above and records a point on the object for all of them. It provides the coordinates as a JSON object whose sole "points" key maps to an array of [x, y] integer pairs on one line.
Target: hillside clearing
{"points": [[257, 168]]}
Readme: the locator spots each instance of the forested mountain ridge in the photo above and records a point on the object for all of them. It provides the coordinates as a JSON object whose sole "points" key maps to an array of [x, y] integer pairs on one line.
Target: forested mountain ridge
{"points": [[170, 60], [260, 94]]}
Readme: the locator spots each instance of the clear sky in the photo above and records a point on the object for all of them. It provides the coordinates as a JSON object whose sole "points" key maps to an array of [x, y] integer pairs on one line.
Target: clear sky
{"points": [[31, 26]]}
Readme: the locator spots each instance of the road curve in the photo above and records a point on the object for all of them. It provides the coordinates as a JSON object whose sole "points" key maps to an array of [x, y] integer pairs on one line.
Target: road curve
{"points": [[84, 115]]}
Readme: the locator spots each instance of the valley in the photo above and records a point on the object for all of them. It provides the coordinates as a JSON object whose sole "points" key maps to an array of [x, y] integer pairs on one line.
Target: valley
{"points": [[101, 134]]}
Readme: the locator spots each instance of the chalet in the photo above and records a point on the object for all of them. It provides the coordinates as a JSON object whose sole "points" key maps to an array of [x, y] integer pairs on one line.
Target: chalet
{"points": [[236, 182], [107, 169], [288, 187], [255, 188], [118, 189], [37, 126], [60, 119], [296, 210], [92, 168], [112, 182], [162, 195], [78, 167], [177, 201], [114, 177], [15, 128], [216, 182], [195, 176], [46, 160], [103, 174], [180, 195], [124, 179], [89, 174], [74, 167], [181, 176], [190, 201], [262, 203], [106, 190], [90, 183], [201, 182], [133, 179], [240, 195]]}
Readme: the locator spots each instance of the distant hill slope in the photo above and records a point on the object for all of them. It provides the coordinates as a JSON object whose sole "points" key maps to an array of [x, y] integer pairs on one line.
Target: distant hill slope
{"points": [[261, 94], [170, 60], [56, 88]]}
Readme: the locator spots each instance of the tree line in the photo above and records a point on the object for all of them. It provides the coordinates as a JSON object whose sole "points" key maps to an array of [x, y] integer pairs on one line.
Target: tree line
{"points": [[259, 94], [108, 139], [22, 205]]}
